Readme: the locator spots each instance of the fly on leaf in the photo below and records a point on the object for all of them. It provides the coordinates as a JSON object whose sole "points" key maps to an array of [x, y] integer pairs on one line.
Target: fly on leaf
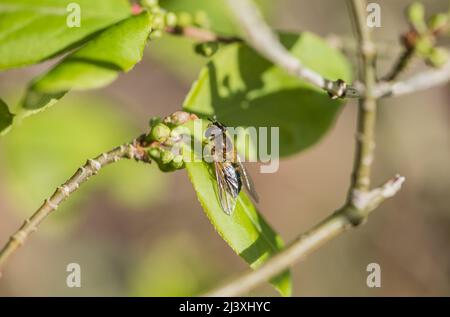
{"points": [[229, 171]]}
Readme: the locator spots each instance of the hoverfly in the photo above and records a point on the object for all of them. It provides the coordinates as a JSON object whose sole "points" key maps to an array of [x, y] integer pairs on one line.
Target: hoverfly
{"points": [[229, 170]]}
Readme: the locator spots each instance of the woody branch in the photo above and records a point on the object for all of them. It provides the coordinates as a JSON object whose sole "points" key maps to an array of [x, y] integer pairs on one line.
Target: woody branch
{"points": [[92, 167]]}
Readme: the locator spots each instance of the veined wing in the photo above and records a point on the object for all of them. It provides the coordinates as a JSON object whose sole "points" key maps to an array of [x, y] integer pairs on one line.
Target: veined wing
{"points": [[247, 180], [229, 186]]}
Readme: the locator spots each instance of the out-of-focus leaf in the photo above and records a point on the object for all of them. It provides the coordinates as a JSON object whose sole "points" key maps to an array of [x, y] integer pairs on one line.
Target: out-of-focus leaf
{"points": [[244, 89], [47, 150], [173, 267], [33, 30], [6, 117], [94, 65]]}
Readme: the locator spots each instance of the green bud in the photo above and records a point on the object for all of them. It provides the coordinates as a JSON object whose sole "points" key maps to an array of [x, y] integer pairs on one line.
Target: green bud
{"points": [[416, 16], [160, 132], [178, 131], [438, 57], [165, 167], [177, 162], [184, 19], [166, 157], [158, 22], [149, 3], [178, 118], [154, 121], [206, 49], [171, 19], [156, 34], [154, 153], [201, 19], [438, 22], [424, 45]]}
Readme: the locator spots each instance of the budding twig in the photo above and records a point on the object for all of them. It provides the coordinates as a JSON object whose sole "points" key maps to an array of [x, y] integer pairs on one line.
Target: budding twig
{"points": [[420, 81], [339, 222], [259, 35], [92, 167]]}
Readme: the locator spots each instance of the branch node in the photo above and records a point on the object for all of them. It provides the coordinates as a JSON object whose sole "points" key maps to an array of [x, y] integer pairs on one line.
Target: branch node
{"points": [[51, 204], [65, 190], [336, 89]]}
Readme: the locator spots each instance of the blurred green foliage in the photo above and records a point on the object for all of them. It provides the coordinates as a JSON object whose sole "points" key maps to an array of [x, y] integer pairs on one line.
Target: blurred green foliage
{"points": [[175, 266], [46, 150]]}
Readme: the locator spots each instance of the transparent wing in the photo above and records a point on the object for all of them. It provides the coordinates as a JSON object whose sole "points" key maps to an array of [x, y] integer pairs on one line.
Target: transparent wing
{"points": [[227, 190], [247, 180]]}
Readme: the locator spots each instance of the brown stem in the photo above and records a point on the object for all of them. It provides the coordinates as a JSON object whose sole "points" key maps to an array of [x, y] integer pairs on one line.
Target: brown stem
{"points": [[131, 150]]}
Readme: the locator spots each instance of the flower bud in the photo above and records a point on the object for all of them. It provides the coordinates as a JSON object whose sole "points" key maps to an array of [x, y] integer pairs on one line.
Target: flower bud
{"points": [[156, 34], [206, 49], [424, 45], [201, 19], [150, 3], [166, 157], [171, 19], [154, 153], [184, 19], [177, 162], [178, 118], [438, 22], [438, 57], [154, 121], [416, 16], [160, 132]]}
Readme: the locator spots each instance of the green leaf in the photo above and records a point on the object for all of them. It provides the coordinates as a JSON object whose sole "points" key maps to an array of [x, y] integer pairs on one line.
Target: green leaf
{"points": [[94, 65], [245, 231], [244, 89], [6, 117], [34, 30]]}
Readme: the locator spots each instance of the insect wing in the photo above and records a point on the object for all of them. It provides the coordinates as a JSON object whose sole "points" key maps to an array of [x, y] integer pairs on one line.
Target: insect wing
{"points": [[227, 188], [247, 180]]}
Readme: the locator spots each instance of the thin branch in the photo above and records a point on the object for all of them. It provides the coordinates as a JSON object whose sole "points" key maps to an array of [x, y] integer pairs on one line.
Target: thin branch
{"points": [[259, 35], [365, 137], [416, 83], [202, 35], [92, 167], [334, 225], [402, 62]]}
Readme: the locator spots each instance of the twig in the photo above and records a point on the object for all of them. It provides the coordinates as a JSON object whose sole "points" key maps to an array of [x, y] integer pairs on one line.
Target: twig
{"points": [[365, 137], [259, 35], [416, 83], [92, 167], [202, 35], [337, 223], [400, 64]]}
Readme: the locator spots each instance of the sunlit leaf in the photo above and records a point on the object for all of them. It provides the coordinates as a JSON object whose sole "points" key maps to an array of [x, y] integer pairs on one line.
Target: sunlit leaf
{"points": [[34, 30], [245, 231], [244, 89]]}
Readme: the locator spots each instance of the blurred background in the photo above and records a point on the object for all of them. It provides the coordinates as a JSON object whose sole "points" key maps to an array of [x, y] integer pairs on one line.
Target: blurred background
{"points": [[137, 231]]}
